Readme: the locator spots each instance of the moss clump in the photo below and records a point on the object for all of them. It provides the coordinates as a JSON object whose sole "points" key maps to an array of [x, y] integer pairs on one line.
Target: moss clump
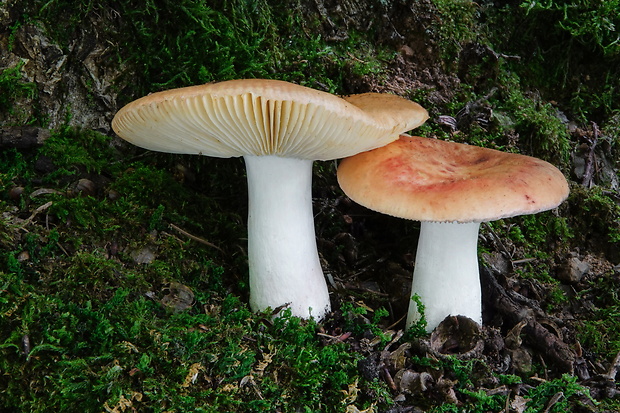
{"points": [[13, 88], [541, 131], [576, 59], [458, 25], [594, 215], [598, 332], [589, 22], [125, 350]]}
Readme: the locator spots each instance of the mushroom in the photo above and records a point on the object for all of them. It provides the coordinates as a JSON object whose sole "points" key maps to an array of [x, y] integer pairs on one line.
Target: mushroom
{"points": [[451, 188], [279, 128]]}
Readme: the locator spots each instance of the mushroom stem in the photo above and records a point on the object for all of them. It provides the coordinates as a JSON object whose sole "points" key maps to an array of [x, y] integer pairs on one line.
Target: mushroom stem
{"points": [[283, 258], [446, 275]]}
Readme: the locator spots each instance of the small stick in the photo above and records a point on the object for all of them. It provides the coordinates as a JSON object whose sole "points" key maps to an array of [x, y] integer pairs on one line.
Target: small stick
{"points": [[195, 238], [62, 248], [590, 159], [388, 378], [327, 336], [613, 370], [523, 261], [35, 213], [556, 398], [507, 406], [497, 239], [397, 321], [341, 337]]}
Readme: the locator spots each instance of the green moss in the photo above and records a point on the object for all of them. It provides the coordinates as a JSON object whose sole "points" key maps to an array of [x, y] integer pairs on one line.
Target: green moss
{"points": [[542, 394], [598, 332], [75, 151], [13, 87], [594, 216], [97, 353], [511, 120], [457, 25], [536, 230], [568, 49], [539, 237], [465, 374], [556, 299], [541, 131], [371, 324], [590, 22], [15, 167]]}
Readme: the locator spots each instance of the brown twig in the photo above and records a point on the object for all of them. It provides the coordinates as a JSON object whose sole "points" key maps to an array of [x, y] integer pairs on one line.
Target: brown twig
{"points": [[523, 261], [35, 213], [590, 160], [497, 240], [613, 369], [194, 237], [556, 398], [388, 378], [397, 321]]}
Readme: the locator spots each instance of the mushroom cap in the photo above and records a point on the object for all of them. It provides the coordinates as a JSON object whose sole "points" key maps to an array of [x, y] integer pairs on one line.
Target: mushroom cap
{"points": [[265, 117], [432, 180]]}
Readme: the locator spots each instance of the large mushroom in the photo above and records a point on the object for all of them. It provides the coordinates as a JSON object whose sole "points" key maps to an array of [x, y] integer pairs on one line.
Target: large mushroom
{"points": [[451, 188], [279, 128]]}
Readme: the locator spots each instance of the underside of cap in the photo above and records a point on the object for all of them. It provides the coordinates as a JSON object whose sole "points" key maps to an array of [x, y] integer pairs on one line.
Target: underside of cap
{"points": [[265, 117], [432, 180]]}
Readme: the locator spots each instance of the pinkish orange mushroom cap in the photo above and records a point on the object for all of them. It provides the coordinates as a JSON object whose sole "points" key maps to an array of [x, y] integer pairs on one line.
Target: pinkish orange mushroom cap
{"points": [[432, 180]]}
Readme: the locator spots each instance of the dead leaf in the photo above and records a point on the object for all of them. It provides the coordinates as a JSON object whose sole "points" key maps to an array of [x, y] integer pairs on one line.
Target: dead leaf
{"points": [[192, 375], [179, 298], [518, 404]]}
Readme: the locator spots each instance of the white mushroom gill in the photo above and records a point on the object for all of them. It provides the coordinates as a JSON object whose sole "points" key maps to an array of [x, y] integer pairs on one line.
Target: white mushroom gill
{"points": [[283, 258], [446, 275]]}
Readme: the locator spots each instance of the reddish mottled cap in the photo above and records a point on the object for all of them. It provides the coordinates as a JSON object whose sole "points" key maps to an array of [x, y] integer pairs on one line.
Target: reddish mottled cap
{"points": [[432, 180], [265, 117]]}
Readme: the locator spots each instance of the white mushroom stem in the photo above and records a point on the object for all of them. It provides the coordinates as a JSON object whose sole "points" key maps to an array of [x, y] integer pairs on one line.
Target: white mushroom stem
{"points": [[283, 258], [446, 275]]}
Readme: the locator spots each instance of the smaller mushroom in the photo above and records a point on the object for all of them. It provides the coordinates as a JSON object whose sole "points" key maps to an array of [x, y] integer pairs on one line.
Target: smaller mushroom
{"points": [[451, 188]]}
